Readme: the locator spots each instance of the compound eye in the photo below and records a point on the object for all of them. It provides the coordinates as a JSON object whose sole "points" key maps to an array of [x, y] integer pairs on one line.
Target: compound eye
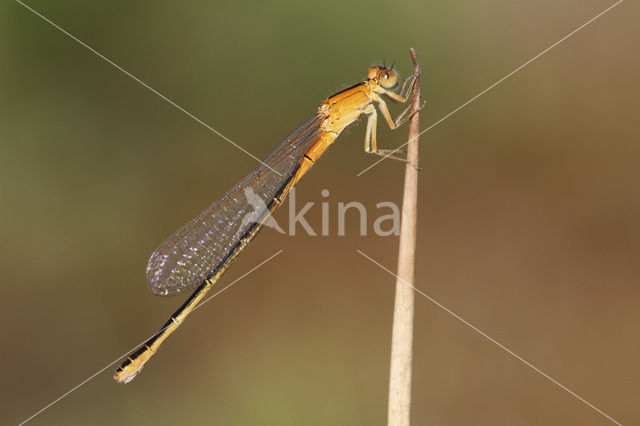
{"points": [[388, 78]]}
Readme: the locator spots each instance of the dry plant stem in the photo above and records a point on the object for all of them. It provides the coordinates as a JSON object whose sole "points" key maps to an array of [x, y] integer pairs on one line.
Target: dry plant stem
{"points": [[399, 413]]}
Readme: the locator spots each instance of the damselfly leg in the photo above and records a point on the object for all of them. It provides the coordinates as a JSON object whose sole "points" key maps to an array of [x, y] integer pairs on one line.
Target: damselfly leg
{"points": [[370, 140]]}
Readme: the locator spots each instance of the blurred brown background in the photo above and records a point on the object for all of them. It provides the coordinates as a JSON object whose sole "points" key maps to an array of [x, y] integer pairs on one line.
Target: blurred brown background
{"points": [[528, 213]]}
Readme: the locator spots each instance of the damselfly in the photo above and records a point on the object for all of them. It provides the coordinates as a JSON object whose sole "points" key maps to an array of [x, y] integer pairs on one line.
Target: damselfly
{"points": [[197, 255]]}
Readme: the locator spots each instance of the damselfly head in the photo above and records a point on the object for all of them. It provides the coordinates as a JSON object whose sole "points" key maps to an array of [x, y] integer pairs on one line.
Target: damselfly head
{"points": [[386, 77]]}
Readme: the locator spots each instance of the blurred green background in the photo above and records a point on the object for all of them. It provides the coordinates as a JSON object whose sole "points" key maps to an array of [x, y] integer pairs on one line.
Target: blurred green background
{"points": [[529, 212]]}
